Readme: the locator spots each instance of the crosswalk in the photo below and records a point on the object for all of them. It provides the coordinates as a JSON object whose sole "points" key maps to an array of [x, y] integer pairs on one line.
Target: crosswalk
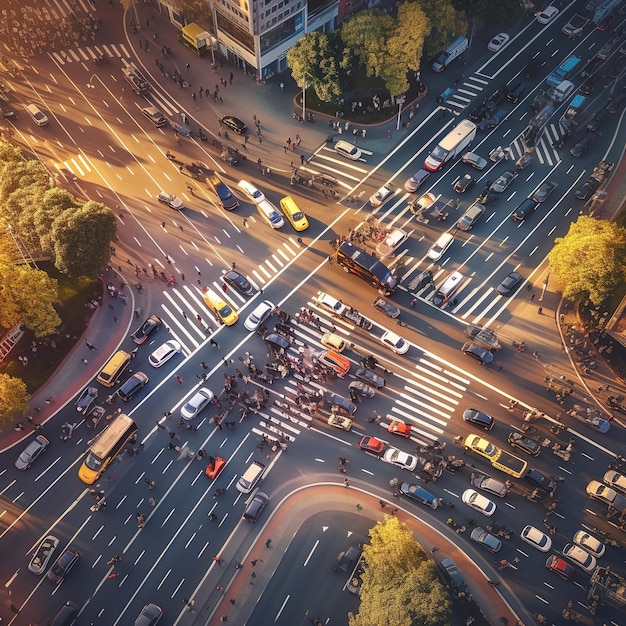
{"points": [[91, 53], [325, 161], [420, 393]]}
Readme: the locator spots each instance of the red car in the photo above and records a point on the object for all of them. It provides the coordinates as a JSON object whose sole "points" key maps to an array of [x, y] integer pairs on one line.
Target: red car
{"points": [[371, 444], [398, 427], [557, 565], [215, 466]]}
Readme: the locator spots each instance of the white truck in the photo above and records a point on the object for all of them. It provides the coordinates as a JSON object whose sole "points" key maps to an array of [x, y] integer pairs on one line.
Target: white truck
{"points": [[453, 144]]}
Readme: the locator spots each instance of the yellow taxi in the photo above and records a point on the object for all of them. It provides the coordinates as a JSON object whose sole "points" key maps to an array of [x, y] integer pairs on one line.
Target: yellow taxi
{"points": [[294, 214], [222, 311]]}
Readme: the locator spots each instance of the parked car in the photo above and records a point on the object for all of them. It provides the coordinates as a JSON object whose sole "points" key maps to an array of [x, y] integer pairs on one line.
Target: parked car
{"points": [[484, 357], [237, 281], [42, 555], [152, 324], [164, 353], [485, 539], [589, 543], [63, 565], [371, 377], [394, 342], [372, 445], [261, 312], [498, 42], [580, 557], [31, 452], [386, 307], [235, 124], [132, 386], [400, 458], [610, 497], [200, 399], [536, 538], [478, 502], [464, 183], [171, 200], [478, 418], [560, 566], [509, 284], [544, 190], [490, 485], [519, 441], [348, 150], [477, 162], [503, 181]]}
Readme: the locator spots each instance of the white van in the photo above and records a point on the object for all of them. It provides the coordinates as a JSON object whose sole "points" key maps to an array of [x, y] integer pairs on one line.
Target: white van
{"points": [[448, 289], [39, 117], [250, 477], [452, 52]]}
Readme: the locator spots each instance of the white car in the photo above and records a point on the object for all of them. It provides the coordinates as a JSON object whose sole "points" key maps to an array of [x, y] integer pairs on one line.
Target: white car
{"points": [[615, 480], [391, 242], [198, 401], [394, 342], [270, 214], [547, 15], [589, 543], [536, 538], [171, 200], [380, 196], [401, 459], [438, 249], [329, 303], [498, 42], [164, 353], [259, 315], [579, 557], [252, 193], [347, 150], [477, 501]]}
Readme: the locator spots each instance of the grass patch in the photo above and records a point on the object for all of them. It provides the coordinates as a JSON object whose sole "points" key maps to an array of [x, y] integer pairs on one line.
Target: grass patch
{"points": [[50, 351]]}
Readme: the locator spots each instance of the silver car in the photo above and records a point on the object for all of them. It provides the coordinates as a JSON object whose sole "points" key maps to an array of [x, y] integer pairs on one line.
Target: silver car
{"points": [[200, 400], [31, 452]]}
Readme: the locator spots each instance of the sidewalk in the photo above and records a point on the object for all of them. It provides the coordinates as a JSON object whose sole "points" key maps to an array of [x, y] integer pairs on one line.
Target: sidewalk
{"points": [[248, 583]]}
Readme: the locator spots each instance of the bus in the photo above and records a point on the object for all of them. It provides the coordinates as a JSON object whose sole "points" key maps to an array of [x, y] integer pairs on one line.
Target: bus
{"points": [[453, 144], [107, 446], [367, 267]]}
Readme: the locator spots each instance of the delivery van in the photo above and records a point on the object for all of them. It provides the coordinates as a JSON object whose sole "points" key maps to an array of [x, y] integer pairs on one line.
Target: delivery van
{"points": [[114, 368], [452, 52]]}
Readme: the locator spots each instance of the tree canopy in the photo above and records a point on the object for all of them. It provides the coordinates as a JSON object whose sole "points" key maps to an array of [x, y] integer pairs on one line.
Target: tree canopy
{"points": [[590, 261], [400, 584], [14, 396], [446, 24]]}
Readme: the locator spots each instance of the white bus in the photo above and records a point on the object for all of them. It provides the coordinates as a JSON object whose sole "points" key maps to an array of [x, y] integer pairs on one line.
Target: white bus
{"points": [[453, 144]]}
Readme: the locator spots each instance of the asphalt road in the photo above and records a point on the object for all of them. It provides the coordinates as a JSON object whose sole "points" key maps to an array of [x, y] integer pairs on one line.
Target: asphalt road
{"points": [[100, 135]]}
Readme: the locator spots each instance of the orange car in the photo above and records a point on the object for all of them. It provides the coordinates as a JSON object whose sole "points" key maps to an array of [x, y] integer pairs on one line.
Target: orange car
{"points": [[398, 427], [215, 466]]}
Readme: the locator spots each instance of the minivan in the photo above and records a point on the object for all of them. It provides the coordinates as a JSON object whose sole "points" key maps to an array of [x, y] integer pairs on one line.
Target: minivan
{"points": [[250, 477], [114, 368], [340, 364], [255, 507], [39, 117]]}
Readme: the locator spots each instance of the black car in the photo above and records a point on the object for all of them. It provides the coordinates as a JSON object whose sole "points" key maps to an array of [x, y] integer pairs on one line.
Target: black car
{"points": [[509, 284], [132, 386], [580, 147], [518, 440], [146, 329], [235, 124], [222, 190], [544, 190], [276, 341], [478, 418], [453, 578], [524, 210], [616, 104], [532, 69], [588, 189], [464, 183], [593, 125], [238, 282], [370, 377], [540, 480], [484, 357], [232, 156], [62, 566]]}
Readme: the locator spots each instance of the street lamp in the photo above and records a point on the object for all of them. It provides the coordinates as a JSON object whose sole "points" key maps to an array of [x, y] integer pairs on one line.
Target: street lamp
{"points": [[400, 100]]}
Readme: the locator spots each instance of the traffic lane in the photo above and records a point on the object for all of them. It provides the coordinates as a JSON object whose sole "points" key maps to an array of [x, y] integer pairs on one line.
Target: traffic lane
{"points": [[305, 582]]}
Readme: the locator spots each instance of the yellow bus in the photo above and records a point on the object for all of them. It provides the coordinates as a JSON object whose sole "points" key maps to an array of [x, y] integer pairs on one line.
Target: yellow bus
{"points": [[108, 445]]}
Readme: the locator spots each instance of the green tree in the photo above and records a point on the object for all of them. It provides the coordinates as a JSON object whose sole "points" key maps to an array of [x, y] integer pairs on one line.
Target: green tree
{"points": [[315, 63], [28, 296], [14, 396], [590, 261], [52, 204], [491, 12], [82, 239], [447, 23], [365, 37], [400, 584]]}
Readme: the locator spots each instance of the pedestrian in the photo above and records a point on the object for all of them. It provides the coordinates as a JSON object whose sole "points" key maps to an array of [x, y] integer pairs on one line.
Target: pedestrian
{"points": [[532, 297], [382, 503], [282, 88], [90, 346], [254, 562], [184, 315], [413, 303], [153, 502], [182, 277], [179, 379], [540, 310], [199, 318], [212, 517], [346, 483], [302, 159], [214, 343], [219, 560], [203, 365], [268, 543], [150, 483], [190, 604], [536, 354], [231, 77], [245, 222], [173, 435], [188, 67], [84, 361], [193, 95], [19, 426]]}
